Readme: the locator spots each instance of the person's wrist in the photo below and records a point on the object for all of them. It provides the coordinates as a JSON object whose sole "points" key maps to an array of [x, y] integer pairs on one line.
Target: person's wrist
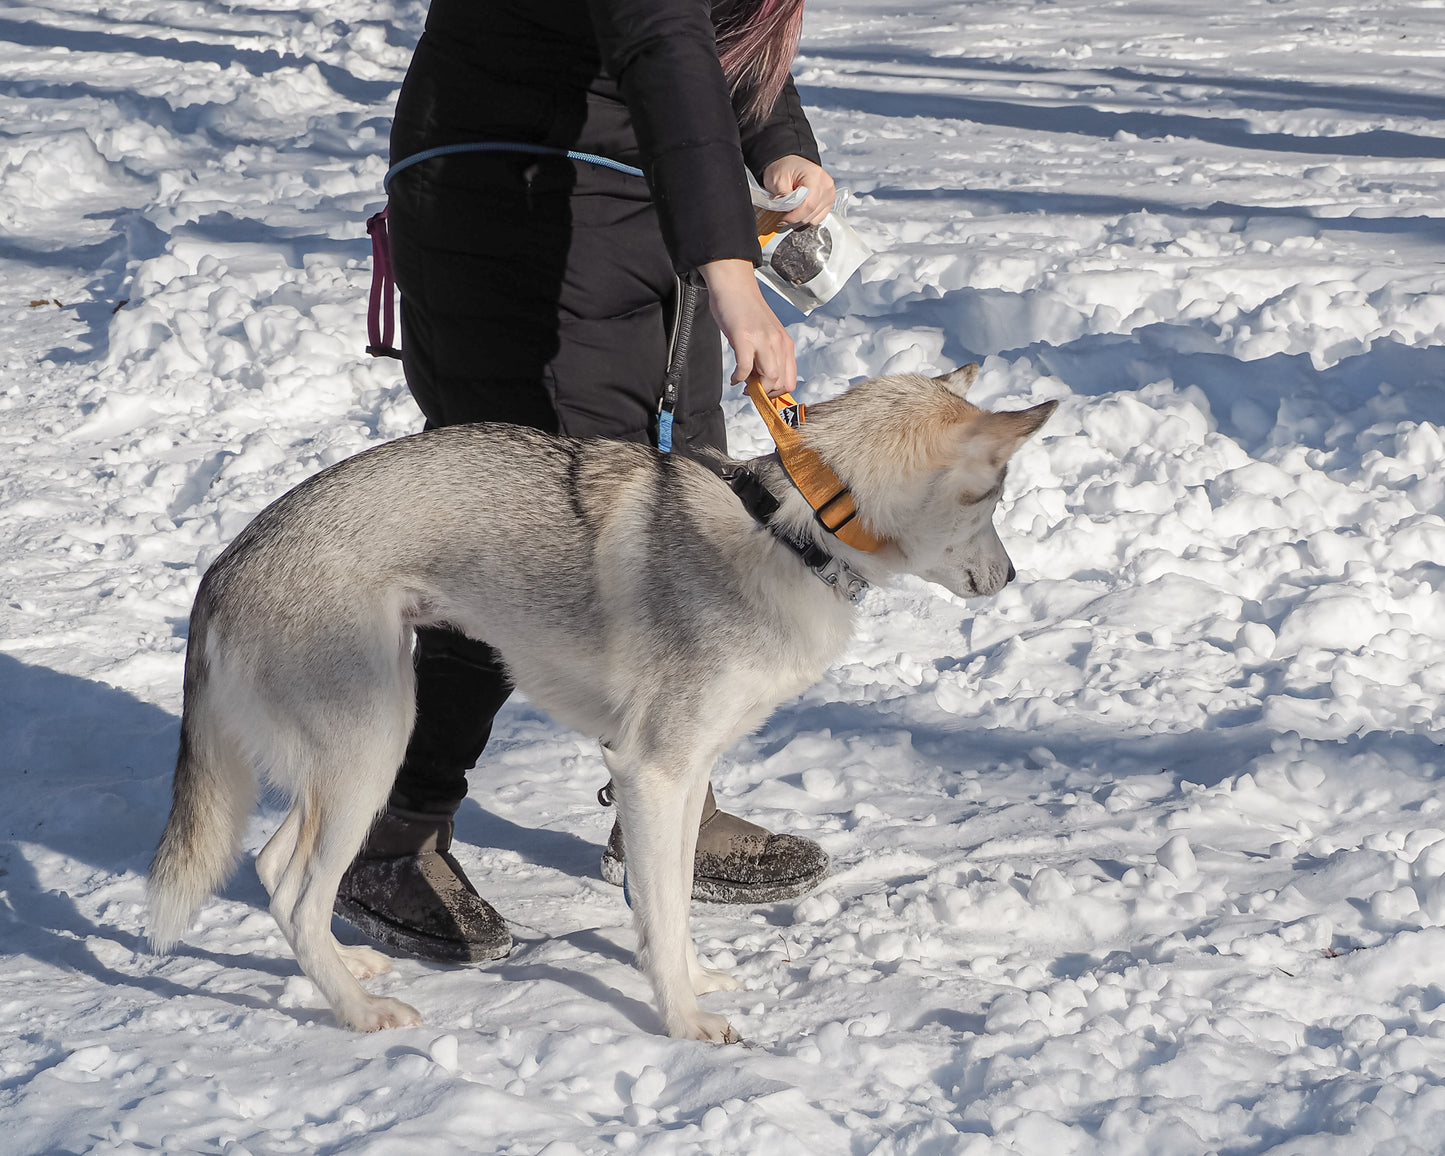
{"points": [[727, 272], [730, 279]]}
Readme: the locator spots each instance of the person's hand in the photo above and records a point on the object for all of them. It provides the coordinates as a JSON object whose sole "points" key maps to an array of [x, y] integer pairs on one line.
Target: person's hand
{"points": [[786, 173], [758, 340]]}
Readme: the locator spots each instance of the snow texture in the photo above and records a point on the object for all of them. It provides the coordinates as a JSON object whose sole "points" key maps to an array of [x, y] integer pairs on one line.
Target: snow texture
{"points": [[1144, 855]]}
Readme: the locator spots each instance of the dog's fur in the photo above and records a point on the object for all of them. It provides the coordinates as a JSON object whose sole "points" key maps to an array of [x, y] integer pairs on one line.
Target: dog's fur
{"points": [[631, 596]]}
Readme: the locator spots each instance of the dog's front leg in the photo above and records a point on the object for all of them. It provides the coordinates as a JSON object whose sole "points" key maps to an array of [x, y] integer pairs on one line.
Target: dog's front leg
{"points": [[706, 979], [659, 810]]}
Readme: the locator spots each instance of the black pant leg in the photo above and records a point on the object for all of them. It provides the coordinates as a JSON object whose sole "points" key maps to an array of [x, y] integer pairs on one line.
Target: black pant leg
{"points": [[479, 250], [460, 686]]}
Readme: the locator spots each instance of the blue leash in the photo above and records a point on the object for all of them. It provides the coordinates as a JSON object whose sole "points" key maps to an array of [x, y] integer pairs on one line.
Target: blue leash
{"points": [[505, 146]]}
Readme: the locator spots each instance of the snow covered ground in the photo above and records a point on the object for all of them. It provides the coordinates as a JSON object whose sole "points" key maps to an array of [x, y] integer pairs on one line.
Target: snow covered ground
{"points": [[1144, 855]]}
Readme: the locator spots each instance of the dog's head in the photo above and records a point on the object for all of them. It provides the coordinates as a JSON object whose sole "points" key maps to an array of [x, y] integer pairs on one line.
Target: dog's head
{"points": [[926, 468]]}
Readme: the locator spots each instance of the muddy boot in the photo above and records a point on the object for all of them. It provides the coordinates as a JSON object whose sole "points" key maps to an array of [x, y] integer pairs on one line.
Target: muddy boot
{"points": [[737, 861], [406, 890]]}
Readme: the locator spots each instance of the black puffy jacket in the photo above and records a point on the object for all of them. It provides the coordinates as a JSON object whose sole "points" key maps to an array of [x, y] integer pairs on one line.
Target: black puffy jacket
{"points": [[634, 80]]}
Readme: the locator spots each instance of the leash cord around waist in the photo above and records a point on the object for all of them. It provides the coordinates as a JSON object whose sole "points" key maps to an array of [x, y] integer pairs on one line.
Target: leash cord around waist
{"points": [[381, 306], [505, 146]]}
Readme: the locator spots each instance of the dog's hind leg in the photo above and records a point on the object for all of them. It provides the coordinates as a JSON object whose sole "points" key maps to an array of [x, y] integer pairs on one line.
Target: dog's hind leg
{"points": [[659, 804], [327, 838], [362, 962], [339, 764], [278, 851]]}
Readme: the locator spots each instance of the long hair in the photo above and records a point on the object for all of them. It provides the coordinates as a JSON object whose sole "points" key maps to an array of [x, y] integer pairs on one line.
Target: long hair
{"points": [[757, 40]]}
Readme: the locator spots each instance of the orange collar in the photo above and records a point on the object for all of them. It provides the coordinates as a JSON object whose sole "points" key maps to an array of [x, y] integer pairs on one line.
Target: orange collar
{"points": [[832, 503]]}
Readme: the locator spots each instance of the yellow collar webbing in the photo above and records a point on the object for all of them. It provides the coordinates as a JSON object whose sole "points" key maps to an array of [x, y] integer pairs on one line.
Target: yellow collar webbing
{"points": [[831, 500]]}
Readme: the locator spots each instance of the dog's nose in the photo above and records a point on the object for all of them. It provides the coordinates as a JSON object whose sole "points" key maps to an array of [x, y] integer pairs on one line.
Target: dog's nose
{"points": [[1012, 574]]}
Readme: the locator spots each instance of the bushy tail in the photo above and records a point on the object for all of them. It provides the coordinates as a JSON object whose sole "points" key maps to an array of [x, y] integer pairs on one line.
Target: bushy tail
{"points": [[211, 798]]}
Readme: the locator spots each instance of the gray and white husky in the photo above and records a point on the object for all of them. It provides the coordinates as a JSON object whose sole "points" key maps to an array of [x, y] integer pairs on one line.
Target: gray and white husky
{"points": [[633, 595]]}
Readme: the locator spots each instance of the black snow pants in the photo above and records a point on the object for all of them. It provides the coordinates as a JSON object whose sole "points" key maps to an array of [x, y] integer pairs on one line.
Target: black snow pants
{"points": [[534, 290]]}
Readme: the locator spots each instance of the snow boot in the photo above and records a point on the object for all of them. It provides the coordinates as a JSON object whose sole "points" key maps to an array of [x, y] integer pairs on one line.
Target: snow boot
{"points": [[406, 890], [736, 861]]}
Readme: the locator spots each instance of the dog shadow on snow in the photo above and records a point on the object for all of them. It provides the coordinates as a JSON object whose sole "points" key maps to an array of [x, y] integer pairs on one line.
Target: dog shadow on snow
{"points": [[86, 767], [85, 770]]}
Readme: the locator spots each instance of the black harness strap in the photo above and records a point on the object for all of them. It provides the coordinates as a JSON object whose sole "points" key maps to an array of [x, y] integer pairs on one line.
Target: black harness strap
{"points": [[760, 502]]}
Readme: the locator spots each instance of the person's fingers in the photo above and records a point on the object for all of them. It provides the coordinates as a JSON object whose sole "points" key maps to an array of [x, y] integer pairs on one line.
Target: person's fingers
{"points": [[775, 368], [788, 173], [819, 203], [775, 365], [784, 382], [785, 378], [746, 362]]}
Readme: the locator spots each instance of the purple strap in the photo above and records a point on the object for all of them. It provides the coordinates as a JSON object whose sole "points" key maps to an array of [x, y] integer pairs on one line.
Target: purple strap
{"points": [[380, 312]]}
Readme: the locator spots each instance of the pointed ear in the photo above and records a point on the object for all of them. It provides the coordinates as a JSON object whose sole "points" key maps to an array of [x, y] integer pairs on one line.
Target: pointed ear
{"points": [[1007, 431], [958, 380]]}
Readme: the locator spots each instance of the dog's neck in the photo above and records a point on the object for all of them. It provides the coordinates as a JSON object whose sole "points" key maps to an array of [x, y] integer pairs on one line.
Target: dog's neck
{"points": [[791, 519]]}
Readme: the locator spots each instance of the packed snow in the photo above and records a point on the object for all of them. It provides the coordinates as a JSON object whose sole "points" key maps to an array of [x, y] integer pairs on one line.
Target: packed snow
{"points": [[1144, 855]]}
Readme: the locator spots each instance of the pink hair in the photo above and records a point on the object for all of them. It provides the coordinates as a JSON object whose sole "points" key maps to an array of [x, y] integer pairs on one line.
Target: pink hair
{"points": [[757, 40]]}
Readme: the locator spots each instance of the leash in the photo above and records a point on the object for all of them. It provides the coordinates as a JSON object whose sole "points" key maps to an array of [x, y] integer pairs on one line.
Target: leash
{"points": [[684, 315], [832, 502], [381, 306]]}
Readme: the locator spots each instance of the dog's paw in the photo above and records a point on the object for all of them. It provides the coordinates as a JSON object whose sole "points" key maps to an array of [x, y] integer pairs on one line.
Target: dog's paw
{"points": [[706, 979], [363, 962], [708, 1026], [379, 1013]]}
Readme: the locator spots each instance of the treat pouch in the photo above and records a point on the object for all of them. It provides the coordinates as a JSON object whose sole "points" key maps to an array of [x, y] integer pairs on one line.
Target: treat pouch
{"points": [[808, 265]]}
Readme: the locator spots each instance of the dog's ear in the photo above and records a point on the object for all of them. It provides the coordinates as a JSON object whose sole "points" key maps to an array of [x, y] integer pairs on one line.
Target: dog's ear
{"points": [[1009, 430], [958, 380]]}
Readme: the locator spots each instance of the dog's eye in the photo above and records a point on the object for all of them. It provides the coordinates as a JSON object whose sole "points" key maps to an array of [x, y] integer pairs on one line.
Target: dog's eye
{"points": [[991, 495]]}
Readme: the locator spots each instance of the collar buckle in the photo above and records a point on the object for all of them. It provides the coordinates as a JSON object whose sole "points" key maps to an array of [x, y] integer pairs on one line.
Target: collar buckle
{"points": [[842, 577]]}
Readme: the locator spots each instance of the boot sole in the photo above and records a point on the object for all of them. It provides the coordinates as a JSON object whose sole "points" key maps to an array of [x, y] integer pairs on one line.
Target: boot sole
{"points": [[415, 944], [729, 891]]}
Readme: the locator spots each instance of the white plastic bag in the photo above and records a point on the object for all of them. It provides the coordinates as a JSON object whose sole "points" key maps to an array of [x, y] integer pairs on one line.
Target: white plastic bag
{"points": [[808, 265]]}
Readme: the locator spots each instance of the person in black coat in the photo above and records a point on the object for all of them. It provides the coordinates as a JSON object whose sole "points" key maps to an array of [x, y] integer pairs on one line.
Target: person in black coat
{"points": [[541, 290]]}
